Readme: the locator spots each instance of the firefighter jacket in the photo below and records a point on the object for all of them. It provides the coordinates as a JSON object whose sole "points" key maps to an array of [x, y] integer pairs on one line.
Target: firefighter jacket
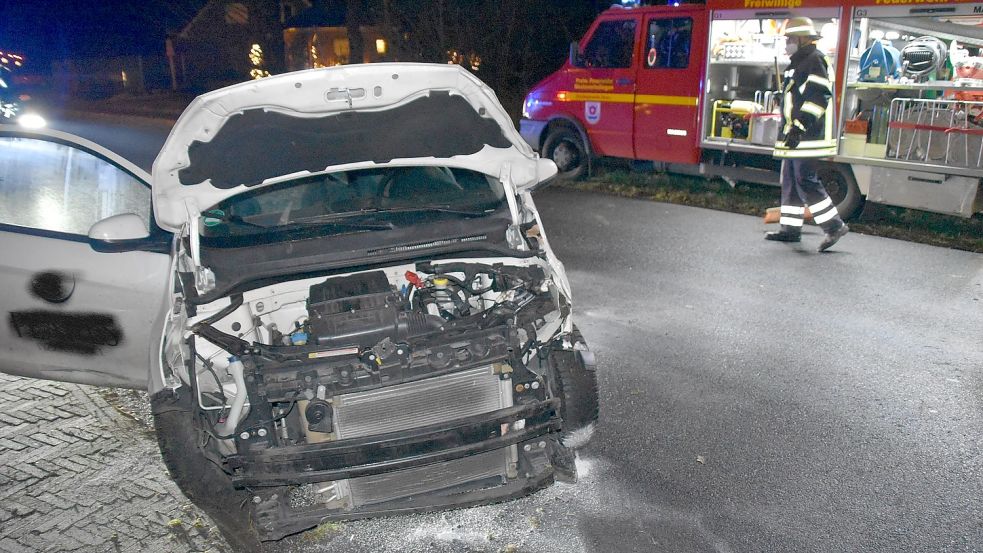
{"points": [[807, 103]]}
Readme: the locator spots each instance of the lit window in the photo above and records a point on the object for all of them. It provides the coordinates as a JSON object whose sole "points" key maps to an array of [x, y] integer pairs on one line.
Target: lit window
{"points": [[341, 47]]}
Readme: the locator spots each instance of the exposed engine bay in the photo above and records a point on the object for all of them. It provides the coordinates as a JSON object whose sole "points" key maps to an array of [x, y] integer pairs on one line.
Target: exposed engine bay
{"points": [[412, 387]]}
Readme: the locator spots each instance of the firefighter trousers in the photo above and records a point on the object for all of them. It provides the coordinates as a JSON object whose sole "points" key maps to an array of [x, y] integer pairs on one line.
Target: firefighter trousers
{"points": [[802, 188]]}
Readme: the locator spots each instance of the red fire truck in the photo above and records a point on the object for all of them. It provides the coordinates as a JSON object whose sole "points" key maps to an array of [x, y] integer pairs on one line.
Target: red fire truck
{"points": [[692, 87]]}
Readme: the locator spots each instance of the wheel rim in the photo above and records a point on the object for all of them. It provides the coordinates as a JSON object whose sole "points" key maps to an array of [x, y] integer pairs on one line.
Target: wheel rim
{"points": [[835, 187], [566, 156]]}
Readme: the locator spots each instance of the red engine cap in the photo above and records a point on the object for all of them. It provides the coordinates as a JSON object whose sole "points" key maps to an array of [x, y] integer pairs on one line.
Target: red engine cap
{"points": [[414, 279]]}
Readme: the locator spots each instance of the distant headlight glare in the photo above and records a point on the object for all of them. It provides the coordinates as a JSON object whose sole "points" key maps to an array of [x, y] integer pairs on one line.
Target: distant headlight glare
{"points": [[32, 121]]}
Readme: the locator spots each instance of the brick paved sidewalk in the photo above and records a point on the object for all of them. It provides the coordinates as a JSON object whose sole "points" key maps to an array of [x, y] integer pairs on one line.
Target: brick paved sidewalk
{"points": [[76, 475]]}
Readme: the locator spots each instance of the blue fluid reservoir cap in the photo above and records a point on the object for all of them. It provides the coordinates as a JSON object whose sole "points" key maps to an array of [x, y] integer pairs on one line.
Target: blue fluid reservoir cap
{"points": [[298, 338]]}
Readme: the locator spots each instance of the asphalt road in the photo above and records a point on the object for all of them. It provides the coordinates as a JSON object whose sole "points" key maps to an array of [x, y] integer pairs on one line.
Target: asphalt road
{"points": [[755, 396]]}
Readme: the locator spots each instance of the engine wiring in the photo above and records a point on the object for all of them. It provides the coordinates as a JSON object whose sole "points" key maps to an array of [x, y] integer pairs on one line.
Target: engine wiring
{"points": [[208, 366], [461, 300], [235, 302]]}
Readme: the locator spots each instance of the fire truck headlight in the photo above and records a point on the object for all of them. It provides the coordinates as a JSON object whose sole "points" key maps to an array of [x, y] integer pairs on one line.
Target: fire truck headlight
{"points": [[31, 121], [525, 107]]}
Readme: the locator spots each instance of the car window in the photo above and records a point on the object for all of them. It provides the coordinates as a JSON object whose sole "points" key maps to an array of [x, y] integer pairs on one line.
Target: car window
{"points": [[667, 44], [56, 187], [383, 192], [611, 45]]}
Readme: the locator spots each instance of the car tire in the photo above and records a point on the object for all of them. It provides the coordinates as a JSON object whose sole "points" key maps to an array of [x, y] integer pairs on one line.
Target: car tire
{"points": [[576, 385], [201, 481], [842, 188], [566, 148]]}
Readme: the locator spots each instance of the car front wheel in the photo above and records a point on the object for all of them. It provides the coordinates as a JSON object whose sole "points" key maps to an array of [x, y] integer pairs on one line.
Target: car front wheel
{"points": [[201, 480], [576, 384]]}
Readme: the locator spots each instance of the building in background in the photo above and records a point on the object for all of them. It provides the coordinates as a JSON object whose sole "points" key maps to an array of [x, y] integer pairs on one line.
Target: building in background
{"points": [[320, 36], [230, 41]]}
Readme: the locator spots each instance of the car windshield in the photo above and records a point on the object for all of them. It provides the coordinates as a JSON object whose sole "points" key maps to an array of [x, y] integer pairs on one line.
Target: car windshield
{"points": [[356, 201]]}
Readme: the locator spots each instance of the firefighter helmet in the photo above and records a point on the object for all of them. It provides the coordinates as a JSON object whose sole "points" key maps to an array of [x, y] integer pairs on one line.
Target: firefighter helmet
{"points": [[800, 26]]}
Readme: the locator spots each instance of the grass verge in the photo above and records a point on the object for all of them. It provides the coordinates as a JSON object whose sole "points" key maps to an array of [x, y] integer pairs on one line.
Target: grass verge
{"points": [[879, 220]]}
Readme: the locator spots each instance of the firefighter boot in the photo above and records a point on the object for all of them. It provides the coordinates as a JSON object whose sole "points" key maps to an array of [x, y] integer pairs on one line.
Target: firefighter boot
{"points": [[786, 234], [832, 236]]}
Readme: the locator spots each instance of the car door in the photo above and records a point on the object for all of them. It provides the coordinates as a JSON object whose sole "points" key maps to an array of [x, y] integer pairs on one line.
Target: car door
{"points": [[70, 312]]}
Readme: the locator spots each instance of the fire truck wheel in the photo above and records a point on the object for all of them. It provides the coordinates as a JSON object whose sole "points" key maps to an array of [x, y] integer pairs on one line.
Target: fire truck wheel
{"points": [[842, 188], [565, 147]]}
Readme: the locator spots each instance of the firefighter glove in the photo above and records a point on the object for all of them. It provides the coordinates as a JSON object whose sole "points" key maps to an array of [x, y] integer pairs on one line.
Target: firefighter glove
{"points": [[793, 138]]}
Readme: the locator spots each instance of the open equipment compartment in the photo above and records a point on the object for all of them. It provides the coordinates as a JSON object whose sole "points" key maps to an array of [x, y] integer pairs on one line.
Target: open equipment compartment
{"points": [[745, 61], [913, 104]]}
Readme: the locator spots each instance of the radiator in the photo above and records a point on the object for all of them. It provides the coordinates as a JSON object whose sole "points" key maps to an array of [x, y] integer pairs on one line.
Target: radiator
{"points": [[440, 476], [422, 403]]}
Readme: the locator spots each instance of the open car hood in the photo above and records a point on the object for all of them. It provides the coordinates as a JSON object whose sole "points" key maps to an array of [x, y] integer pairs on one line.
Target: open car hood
{"points": [[278, 128]]}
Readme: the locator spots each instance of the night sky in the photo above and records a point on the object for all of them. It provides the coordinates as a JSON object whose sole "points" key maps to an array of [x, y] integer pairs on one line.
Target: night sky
{"points": [[46, 30]]}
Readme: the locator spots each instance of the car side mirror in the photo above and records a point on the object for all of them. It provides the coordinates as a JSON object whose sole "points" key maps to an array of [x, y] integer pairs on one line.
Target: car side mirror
{"points": [[545, 175], [125, 232], [576, 60], [125, 226]]}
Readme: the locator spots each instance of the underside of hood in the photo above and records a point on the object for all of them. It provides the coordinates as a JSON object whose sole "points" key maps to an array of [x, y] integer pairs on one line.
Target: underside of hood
{"points": [[267, 131]]}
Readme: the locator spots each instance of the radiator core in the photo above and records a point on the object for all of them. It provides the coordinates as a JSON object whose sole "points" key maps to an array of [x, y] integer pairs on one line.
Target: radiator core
{"points": [[422, 403], [415, 481]]}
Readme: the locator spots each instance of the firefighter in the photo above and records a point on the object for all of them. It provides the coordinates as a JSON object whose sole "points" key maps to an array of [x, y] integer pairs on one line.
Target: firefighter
{"points": [[806, 134]]}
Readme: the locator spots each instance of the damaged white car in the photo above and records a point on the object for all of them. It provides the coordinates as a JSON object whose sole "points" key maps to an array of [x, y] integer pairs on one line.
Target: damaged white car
{"points": [[343, 303]]}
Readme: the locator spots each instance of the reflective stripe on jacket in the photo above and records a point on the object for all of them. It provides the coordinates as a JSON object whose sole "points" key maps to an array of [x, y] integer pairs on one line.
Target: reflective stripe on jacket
{"points": [[807, 103]]}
